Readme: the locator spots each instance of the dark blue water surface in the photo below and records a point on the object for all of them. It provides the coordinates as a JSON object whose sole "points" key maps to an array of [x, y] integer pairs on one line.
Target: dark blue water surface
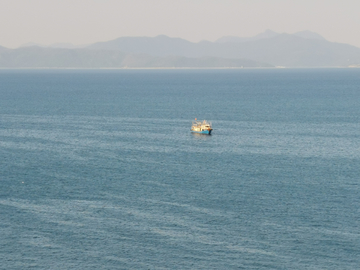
{"points": [[99, 170]]}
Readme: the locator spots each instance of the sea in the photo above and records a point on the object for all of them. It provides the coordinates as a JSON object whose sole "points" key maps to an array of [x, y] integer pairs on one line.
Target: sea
{"points": [[99, 169]]}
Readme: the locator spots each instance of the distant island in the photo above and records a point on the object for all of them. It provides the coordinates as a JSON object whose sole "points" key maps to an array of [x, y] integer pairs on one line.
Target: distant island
{"points": [[266, 50]]}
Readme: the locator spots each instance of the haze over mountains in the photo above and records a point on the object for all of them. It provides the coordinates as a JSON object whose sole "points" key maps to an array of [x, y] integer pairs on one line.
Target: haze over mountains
{"points": [[268, 49], [268, 34]]}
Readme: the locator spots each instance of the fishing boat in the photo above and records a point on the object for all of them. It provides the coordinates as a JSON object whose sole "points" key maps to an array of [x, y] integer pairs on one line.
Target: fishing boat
{"points": [[203, 127]]}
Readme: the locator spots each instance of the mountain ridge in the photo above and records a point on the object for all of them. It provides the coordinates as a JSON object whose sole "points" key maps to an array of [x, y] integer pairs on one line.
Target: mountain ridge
{"points": [[279, 50], [268, 49], [38, 57]]}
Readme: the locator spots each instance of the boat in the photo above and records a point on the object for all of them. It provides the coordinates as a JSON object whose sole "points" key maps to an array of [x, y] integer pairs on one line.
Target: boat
{"points": [[203, 127]]}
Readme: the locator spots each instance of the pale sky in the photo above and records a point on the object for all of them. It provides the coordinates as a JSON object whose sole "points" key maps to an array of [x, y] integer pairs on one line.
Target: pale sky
{"points": [[88, 21]]}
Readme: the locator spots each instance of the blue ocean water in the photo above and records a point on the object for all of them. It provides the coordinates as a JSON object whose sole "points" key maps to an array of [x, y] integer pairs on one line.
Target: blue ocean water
{"points": [[99, 170]]}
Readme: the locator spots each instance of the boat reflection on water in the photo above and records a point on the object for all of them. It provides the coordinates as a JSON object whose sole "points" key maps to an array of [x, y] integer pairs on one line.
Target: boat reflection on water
{"points": [[201, 137]]}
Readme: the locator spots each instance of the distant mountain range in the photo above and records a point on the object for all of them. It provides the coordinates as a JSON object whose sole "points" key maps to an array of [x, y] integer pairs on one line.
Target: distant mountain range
{"points": [[38, 57], [268, 49]]}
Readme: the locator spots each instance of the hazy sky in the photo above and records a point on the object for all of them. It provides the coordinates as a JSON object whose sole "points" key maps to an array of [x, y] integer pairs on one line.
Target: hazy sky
{"points": [[87, 21]]}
